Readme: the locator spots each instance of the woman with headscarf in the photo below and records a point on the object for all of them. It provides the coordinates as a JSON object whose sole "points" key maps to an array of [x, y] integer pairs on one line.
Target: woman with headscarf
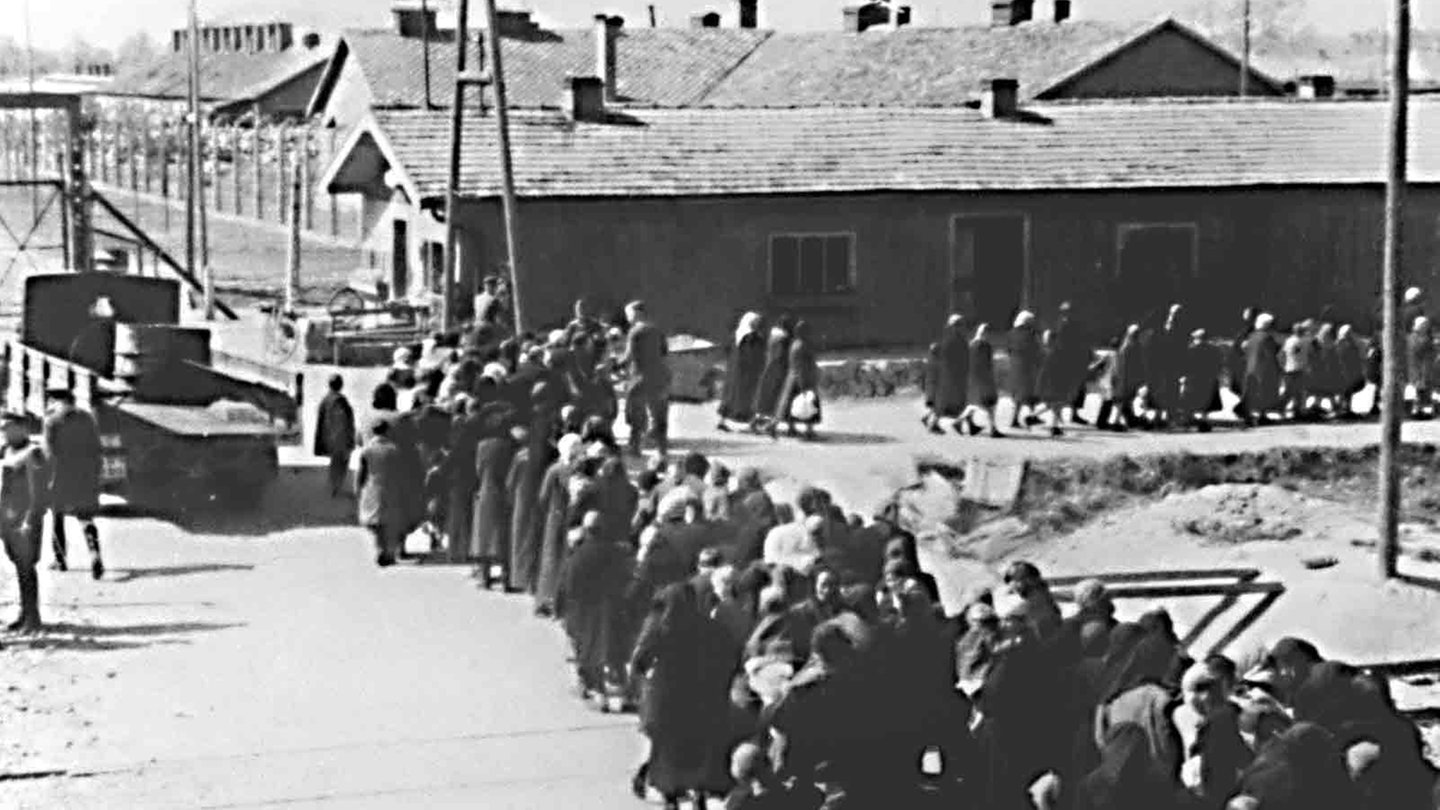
{"points": [[593, 608], [532, 457], [981, 391], [553, 504], [1126, 776], [1301, 769], [460, 481], [1134, 691], [403, 432], [1420, 366], [742, 373], [491, 522], [1200, 382], [1026, 352], [683, 702], [904, 547], [1349, 369], [776, 369], [402, 370], [800, 395], [1261, 389], [1166, 363]]}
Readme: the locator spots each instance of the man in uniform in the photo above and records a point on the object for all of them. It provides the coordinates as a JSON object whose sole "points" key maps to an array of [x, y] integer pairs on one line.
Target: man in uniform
{"points": [[22, 508], [647, 405], [72, 446]]}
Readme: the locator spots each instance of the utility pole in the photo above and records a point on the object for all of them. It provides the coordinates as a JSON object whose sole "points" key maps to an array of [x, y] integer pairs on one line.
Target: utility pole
{"points": [[457, 119], [192, 139], [292, 254], [426, 31], [507, 168], [1392, 384], [1245, 51]]}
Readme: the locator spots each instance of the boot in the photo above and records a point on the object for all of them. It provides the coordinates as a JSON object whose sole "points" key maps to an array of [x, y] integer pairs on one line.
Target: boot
{"points": [[92, 542]]}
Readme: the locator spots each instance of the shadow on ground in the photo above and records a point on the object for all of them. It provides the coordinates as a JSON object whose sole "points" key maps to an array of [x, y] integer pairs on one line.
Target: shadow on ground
{"points": [[298, 498], [107, 638], [131, 574]]}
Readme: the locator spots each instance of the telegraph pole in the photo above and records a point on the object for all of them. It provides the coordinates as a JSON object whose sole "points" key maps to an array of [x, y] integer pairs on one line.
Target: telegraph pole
{"points": [[507, 168], [1245, 50], [192, 133], [1392, 384], [457, 119], [427, 30]]}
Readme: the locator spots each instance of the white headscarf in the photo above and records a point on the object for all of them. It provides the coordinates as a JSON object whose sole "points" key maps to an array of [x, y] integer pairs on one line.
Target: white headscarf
{"points": [[494, 371], [570, 447], [401, 357], [1025, 318], [749, 324], [1264, 320]]}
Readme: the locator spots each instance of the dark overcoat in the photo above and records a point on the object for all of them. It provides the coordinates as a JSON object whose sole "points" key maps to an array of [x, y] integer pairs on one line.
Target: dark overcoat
{"points": [[490, 537], [593, 595], [803, 375], [953, 378], [742, 378], [553, 521], [335, 433], [1262, 372], [460, 484], [982, 390], [772, 376], [72, 445], [523, 485], [1201, 390], [1025, 358]]}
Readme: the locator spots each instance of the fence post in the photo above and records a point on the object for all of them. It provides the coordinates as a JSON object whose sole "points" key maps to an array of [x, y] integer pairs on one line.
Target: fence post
{"points": [[306, 179], [334, 204], [131, 146], [165, 171], [282, 146], [235, 167], [146, 146], [215, 195], [259, 172]]}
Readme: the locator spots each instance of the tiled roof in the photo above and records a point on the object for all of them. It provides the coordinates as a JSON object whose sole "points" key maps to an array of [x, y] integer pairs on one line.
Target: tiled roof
{"points": [[1075, 146], [223, 76], [1356, 61], [654, 66]]}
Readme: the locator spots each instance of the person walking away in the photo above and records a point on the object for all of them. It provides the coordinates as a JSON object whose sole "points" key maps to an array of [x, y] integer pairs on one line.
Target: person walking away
{"points": [[1262, 370], [1295, 359], [553, 524], [23, 485], [800, 396], [1350, 370], [72, 447], [742, 374], [929, 419], [1235, 361], [772, 376], [491, 521], [1420, 346], [1129, 375], [1168, 347], [382, 499], [981, 391], [951, 396], [1066, 365], [335, 434], [647, 404], [1200, 385], [460, 480], [1025, 357]]}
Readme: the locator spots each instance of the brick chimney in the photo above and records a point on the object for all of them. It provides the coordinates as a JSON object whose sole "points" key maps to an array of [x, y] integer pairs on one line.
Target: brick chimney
{"points": [[749, 13], [1011, 12], [999, 98], [1316, 86], [1062, 10], [859, 19], [607, 32], [414, 22], [585, 99], [710, 19]]}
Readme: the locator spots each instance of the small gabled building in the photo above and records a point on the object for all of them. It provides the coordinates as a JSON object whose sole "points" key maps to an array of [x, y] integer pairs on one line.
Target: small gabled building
{"points": [[874, 223]]}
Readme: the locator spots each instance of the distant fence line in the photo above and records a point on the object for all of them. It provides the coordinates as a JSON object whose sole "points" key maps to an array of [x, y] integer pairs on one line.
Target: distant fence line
{"points": [[247, 168]]}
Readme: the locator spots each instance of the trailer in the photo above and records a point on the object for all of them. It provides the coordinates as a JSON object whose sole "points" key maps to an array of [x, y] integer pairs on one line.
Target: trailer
{"points": [[176, 432]]}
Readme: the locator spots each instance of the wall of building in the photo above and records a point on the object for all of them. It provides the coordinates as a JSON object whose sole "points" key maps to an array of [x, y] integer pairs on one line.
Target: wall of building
{"points": [[700, 263], [1166, 64], [289, 99], [350, 98], [378, 218]]}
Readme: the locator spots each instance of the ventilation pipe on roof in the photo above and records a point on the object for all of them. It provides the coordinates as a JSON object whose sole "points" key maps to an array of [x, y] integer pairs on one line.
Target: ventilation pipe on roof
{"points": [[1062, 10], [749, 13], [585, 98], [999, 98], [607, 31], [414, 22], [1011, 12], [709, 19], [858, 19], [1316, 86]]}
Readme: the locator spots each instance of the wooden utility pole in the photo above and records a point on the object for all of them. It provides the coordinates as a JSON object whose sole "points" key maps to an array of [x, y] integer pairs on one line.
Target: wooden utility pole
{"points": [[292, 254], [192, 133], [507, 168], [1393, 389], [425, 48], [1245, 50], [457, 119]]}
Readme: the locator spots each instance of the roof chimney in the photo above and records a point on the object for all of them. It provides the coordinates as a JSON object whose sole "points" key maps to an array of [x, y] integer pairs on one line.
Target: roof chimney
{"points": [[749, 13], [858, 19], [414, 22], [514, 23], [607, 31], [999, 98], [1062, 10], [1011, 12], [585, 99], [1316, 86], [710, 19]]}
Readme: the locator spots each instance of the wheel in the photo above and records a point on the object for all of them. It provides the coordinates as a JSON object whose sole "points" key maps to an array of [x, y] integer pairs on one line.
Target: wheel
{"points": [[282, 337], [344, 307]]}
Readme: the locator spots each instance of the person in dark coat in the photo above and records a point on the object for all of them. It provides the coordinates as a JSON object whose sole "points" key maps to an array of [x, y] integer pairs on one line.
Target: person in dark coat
{"points": [[1302, 768], [981, 391], [683, 701], [491, 521], [335, 433], [383, 507], [553, 519], [1235, 360], [742, 374], [23, 484], [531, 459], [1262, 371], [460, 481], [1165, 365], [593, 588], [73, 450], [1062, 371], [951, 387], [801, 380], [647, 402], [1126, 777], [1350, 368], [1200, 382], [773, 374], [1026, 353], [1420, 366], [1128, 376]]}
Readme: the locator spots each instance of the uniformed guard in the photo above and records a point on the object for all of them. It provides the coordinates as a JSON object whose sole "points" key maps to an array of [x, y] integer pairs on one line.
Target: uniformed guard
{"points": [[23, 488], [72, 446]]}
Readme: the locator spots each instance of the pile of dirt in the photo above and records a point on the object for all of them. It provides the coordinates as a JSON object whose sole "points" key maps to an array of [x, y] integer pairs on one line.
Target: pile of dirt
{"points": [[1240, 513]]}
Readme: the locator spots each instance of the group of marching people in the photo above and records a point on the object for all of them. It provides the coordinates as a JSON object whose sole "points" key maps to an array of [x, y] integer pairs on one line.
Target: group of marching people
{"points": [[1164, 374]]}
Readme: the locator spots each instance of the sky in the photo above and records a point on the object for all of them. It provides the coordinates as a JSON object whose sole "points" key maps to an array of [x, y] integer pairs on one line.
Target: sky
{"points": [[53, 23]]}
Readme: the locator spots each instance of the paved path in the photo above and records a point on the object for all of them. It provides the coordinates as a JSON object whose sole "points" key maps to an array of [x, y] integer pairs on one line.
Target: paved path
{"points": [[270, 663]]}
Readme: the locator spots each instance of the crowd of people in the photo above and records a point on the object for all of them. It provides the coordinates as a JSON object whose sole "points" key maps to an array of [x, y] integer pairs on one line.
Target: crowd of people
{"points": [[1161, 373], [797, 658]]}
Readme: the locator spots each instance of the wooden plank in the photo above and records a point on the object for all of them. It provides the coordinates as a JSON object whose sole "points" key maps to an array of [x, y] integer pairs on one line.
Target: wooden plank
{"points": [[993, 482], [1245, 574]]}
